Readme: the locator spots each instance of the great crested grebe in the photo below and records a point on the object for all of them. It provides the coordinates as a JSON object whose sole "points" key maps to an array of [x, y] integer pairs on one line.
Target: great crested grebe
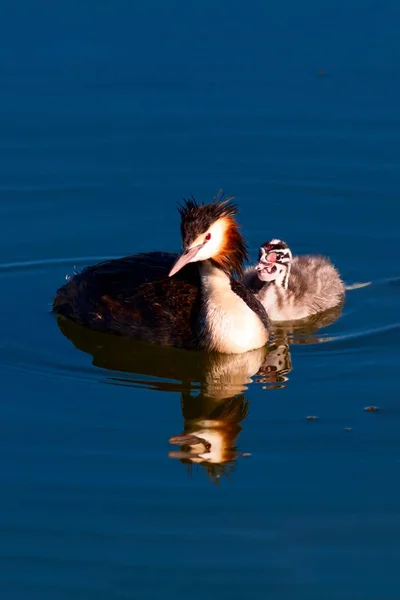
{"points": [[293, 288], [165, 298]]}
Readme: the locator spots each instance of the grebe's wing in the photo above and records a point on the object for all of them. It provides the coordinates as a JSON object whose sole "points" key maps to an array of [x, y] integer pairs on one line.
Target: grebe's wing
{"points": [[133, 296], [137, 268]]}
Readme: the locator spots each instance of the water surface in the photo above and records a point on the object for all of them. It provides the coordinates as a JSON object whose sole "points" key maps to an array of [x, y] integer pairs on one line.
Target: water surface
{"points": [[110, 115]]}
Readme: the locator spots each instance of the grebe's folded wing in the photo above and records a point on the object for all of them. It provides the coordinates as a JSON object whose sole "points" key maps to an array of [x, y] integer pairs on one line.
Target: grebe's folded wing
{"points": [[139, 268]]}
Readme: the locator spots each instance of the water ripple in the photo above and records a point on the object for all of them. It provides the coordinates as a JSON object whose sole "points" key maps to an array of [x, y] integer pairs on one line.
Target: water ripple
{"points": [[115, 361], [51, 262]]}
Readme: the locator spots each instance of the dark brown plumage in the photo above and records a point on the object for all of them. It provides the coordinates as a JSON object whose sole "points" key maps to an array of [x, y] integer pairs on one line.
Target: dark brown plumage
{"points": [[134, 296]]}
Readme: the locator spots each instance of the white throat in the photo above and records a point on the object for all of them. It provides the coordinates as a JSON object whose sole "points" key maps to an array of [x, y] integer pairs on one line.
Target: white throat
{"points": [[228, 324]]}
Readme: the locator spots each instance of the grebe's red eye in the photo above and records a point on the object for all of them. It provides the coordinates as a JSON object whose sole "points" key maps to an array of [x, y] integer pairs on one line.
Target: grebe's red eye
{"points": [[208, 237]]}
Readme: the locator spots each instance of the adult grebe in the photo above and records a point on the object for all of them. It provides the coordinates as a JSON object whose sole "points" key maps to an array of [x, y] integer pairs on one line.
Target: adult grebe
{"points": [[294, 288], [166, 299]]}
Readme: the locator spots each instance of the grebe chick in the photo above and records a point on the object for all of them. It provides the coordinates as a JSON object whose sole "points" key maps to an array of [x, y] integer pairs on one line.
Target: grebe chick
{"points": [[169, 300], [294, 288]]}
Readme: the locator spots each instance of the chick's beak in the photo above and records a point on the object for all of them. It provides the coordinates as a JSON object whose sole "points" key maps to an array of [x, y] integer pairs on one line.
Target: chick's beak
{"points": [[186, 257]]}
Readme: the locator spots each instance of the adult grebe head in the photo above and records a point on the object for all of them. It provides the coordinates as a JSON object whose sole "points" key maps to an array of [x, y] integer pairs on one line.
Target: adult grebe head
{"points": [[210, 232]]}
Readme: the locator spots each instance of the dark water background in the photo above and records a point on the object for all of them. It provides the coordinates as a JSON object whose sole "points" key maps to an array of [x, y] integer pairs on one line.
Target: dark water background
{"points": [[110, 114]]}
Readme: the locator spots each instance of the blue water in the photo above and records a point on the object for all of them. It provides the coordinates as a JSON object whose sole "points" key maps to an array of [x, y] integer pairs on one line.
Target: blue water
{"points": [[110, 114]]}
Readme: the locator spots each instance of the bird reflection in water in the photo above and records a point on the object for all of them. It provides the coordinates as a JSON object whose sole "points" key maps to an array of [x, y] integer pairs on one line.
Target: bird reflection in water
{"points": [[212, 386], [212, 419]]}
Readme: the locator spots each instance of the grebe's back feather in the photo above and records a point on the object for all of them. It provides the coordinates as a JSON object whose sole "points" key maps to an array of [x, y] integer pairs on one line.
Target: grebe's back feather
{"points": [[314, 283], [163, 298], [134, 297]]}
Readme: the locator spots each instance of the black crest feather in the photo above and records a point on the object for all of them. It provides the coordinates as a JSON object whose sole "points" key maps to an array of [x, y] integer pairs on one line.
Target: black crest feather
{"points": [[197, 218], [219, 207]]}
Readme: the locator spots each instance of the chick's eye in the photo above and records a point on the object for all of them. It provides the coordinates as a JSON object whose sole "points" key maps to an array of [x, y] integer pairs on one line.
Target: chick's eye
{"points": [[208, 237]]}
